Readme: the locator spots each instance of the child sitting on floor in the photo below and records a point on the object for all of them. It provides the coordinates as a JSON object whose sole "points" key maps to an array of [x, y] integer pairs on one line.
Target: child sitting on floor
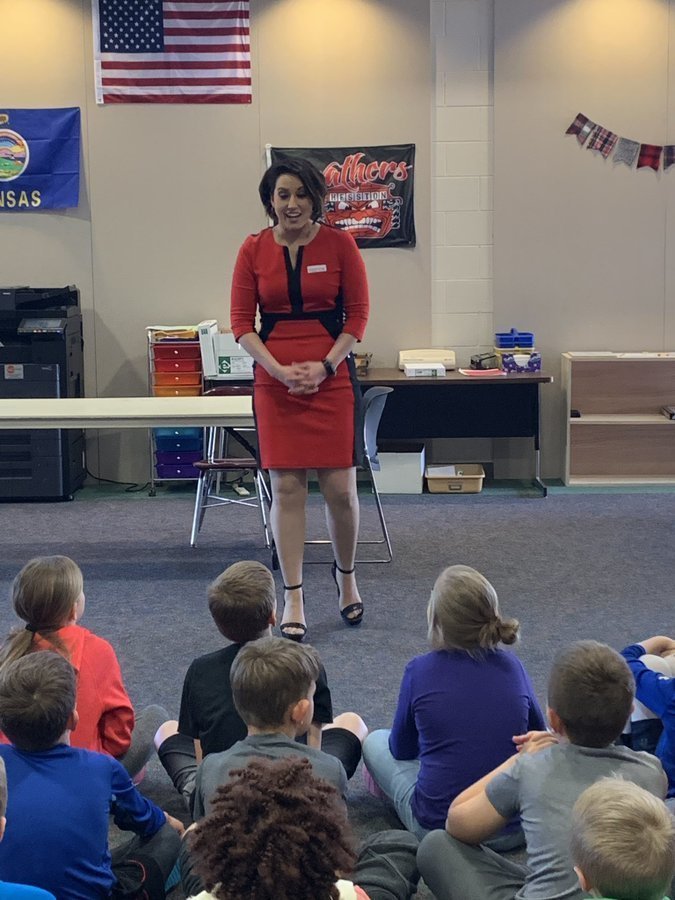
{"points": [[297, 818], [623, 842], [60, 797], [273, 682], [242, 602], [48, 595], [14, 891], [655, 690], [459, 705], [590, 695]]}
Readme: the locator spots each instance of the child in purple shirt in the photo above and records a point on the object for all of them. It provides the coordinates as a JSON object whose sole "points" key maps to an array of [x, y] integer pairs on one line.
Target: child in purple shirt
{"points": [[459, 706]]}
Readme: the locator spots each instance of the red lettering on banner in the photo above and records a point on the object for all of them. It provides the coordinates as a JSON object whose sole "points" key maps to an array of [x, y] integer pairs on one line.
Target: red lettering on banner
{"points": [[353, 173]]}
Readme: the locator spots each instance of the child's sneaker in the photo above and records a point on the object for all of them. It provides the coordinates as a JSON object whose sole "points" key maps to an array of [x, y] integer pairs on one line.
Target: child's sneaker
{"points": [[371, 785]]}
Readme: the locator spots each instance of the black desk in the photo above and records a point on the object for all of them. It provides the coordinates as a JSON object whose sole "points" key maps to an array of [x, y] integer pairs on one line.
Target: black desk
{"points": [[461, 406]]}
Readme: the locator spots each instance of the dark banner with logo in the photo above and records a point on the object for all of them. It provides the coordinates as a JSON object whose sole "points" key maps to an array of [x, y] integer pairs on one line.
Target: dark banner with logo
{"points": [[39, 159], [370, 190]]}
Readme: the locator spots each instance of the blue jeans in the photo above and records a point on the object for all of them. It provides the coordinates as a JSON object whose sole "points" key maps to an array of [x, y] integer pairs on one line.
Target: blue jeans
{"points": [[395, 777]]}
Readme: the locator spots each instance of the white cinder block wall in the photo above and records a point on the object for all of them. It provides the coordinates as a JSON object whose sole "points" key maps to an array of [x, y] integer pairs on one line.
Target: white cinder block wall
{"points": [[462, 176]]}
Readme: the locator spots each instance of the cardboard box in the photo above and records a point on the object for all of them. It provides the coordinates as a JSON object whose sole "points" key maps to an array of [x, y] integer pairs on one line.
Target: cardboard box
{"points": [[222, 357], [401, 469], [458, 479]]}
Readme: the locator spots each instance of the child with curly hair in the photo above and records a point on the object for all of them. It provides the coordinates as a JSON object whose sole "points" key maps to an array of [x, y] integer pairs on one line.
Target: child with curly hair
{"points": [[275, 830]]}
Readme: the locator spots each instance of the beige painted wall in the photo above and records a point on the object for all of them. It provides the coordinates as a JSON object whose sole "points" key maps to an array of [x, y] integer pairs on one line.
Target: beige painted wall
{"points": [[583, 249], [169, 192]]}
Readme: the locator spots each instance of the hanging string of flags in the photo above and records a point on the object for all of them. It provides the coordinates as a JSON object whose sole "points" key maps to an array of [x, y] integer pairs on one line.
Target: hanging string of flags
{"points": [[625, 151]]}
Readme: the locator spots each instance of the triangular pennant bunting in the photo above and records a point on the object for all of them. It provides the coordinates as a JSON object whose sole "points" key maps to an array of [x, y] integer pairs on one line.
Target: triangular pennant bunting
{"points": [[626, 152], [650, 156], [577, 125], [603, 140]]}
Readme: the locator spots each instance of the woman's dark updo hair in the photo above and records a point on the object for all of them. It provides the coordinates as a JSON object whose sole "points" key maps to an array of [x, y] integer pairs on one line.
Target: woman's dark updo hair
{"points": [[275, 831], [312, 180]]}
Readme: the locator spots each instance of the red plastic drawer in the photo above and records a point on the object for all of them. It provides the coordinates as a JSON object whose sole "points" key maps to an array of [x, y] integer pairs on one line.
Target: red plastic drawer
{"points": [[178, 365], [186, 350], [166, 378]]}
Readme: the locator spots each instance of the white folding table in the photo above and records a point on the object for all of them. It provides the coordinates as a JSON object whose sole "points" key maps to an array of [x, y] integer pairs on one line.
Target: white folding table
{"points": [[125, 412]]}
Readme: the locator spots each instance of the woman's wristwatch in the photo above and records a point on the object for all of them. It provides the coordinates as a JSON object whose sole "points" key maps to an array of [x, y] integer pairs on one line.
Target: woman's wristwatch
{"points": [[329, 367]]}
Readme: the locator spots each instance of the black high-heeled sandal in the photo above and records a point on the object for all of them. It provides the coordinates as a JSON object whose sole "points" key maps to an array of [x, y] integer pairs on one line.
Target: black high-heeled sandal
{"points": [[297, 635], [353, 607]]}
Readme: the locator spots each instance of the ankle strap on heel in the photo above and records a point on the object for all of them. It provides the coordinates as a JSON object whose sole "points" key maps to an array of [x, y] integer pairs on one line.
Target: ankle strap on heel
{"points": [[345, 571], [292, 587]]}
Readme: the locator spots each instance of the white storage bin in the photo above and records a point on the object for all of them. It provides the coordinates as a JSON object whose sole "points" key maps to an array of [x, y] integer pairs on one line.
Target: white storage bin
{"points": [[401, 469]]}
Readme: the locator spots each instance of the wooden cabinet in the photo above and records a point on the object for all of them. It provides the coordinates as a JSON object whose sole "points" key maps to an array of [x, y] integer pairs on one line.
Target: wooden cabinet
{"points": [[616, 433]]}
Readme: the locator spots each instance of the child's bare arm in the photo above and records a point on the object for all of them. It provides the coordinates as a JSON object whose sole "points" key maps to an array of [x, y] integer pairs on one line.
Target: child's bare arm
{"points": [[474, 819], [199, 754], [659, 645]]}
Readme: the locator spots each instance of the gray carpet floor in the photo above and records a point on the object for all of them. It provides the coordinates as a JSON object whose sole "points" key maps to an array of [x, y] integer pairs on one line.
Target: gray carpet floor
{"points": [[573, 565]]}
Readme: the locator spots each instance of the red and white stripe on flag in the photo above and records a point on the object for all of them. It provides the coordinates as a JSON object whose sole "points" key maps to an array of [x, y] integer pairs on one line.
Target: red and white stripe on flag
{"points": [[172, 51]]}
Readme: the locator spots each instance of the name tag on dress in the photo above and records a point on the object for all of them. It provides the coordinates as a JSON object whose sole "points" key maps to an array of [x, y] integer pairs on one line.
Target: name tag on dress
{"points": [[312, 269]]}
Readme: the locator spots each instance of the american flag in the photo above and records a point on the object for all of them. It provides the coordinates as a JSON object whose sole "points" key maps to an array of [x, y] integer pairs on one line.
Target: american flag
{"points": [[172, 51]]}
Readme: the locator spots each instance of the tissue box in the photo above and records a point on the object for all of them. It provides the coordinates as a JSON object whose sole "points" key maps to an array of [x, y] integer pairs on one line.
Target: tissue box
{"points": [[520, 360]]}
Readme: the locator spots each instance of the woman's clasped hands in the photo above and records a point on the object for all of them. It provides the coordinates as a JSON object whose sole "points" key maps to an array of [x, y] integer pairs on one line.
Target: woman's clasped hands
{"points": [[303, 378]]}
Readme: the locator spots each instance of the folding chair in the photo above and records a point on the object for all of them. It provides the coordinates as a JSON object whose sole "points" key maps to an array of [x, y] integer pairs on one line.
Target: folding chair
{"points": [[373, 406], [217, 464]]}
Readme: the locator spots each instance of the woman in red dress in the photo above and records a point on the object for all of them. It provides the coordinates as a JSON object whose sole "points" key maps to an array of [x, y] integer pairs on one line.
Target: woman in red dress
{"points": [[308, 282]]}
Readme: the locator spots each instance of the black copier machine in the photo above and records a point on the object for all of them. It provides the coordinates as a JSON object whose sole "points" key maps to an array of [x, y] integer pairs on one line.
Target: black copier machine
{"points": [[41, 355]]}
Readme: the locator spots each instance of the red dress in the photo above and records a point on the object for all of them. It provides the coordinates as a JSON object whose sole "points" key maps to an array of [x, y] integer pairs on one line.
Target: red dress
{"points": [[302, 312]]}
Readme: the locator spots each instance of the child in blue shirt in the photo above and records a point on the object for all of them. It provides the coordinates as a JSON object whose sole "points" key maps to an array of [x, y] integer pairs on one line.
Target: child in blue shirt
{"points": [[657, 692], [14, 891], [60, 796]]}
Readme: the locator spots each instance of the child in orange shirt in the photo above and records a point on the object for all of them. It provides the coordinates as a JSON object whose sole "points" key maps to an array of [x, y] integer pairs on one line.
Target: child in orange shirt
{"points": [[48, 595]]}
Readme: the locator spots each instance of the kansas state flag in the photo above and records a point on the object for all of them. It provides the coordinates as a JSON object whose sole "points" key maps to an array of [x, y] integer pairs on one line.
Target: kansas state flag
{"points": [[39, 159]]}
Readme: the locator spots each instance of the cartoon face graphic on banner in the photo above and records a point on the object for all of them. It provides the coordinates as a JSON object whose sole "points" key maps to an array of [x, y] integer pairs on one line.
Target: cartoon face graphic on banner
{"points": [[369, 191]]}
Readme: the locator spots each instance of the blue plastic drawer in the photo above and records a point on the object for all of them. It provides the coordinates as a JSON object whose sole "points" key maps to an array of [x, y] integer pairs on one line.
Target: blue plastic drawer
{"points": [[172, 458], [177, 443], [164, 471], [178, 432]]}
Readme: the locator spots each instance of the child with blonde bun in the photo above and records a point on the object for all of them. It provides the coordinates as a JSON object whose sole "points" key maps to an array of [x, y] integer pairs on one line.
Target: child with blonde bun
{"points": [[48, 595], [459, 706]]}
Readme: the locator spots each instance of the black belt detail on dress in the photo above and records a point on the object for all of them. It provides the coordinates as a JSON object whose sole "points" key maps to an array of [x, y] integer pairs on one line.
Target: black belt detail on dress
{"points": [[332, 320]]}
